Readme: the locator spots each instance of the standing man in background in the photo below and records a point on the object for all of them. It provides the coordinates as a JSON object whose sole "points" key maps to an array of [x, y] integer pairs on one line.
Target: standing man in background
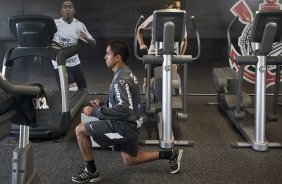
{"points": [[147, 26], [69, 31]]}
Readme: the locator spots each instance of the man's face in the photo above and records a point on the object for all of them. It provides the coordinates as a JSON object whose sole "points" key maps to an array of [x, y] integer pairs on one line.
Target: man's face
{"points": [[110, 58], [67, 10]]}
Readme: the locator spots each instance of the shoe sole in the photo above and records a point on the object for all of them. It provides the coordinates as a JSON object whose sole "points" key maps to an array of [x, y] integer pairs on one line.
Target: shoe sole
{"points": [[178, 162], [90, 181], [95, 180]]}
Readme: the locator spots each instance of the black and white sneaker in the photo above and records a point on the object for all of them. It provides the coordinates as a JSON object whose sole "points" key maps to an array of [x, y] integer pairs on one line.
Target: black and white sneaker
{"points": [[174, 161], [86, 176]]}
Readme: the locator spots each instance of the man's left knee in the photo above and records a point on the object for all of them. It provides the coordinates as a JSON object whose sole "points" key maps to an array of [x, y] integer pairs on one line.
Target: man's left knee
{"points": [[80, 129]]}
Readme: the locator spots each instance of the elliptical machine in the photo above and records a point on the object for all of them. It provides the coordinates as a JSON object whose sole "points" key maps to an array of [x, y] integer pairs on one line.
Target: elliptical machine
{"points": [[236, 104], [168, 29]]}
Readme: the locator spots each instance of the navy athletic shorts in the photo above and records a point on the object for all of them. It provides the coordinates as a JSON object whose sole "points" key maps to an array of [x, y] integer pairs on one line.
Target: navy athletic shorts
{"points": [[114, 133]]}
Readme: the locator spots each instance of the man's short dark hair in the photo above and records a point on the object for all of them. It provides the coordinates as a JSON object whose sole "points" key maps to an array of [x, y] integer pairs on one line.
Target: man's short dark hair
{"points": [[72, 1], [171, 2], [120, 47]]}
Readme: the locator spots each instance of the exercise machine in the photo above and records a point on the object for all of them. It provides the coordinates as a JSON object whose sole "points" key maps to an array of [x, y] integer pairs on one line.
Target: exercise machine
{"points": [[56, 108], [23, 171], [236, 104], [168, 30], [34, 34]]}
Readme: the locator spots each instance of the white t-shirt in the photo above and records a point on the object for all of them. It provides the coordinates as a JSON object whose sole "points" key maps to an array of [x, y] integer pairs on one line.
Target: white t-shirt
{"points": [[68, 35], [148, 26]]}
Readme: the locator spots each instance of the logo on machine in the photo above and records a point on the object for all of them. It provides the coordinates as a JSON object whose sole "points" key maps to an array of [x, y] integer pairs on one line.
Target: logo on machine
{"points": [[245, 14], [30, 33], [40, 103], [262, 69], [167, 68]]}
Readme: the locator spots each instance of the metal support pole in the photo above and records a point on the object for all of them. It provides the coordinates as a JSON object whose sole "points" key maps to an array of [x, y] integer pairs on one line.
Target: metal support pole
{"points": [[167, 138], [260, 143], [24, 136]]}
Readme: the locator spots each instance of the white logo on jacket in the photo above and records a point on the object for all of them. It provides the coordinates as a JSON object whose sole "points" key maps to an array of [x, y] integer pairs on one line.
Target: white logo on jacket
{"points": [[118, 94], [129, 96]]}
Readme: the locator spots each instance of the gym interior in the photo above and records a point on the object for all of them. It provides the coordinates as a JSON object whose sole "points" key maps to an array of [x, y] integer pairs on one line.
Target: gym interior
{"points": [[213, 156]]}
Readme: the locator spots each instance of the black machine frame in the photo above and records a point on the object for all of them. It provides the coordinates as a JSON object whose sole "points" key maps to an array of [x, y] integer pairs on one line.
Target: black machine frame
{"points": [[166, 32], [35, 34], [33, 30], [263, 18], [251, 122], [161, 17]]}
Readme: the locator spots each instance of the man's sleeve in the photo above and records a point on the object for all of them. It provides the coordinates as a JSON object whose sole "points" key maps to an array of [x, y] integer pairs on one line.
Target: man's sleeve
{"points": [[84, 29], [123, 107]]}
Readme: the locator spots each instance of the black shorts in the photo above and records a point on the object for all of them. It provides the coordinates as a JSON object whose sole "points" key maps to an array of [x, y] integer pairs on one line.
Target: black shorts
{"points": [[75, 75], [108, 133]]}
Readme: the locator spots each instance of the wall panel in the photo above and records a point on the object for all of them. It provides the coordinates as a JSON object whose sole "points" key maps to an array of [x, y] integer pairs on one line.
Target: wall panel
{"points": [[112, 18], [42, 7], [7, 9]]}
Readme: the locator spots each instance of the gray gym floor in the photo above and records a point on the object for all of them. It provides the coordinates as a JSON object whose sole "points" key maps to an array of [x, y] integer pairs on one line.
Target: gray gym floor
{"points": [[210, 160]]}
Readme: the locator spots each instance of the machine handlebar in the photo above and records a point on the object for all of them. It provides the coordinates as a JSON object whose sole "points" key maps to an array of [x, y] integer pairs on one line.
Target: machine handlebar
{"points": [[194, 23], [229, 38], [135, 38], [8, 87], [67, 52], [180, 59]]}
